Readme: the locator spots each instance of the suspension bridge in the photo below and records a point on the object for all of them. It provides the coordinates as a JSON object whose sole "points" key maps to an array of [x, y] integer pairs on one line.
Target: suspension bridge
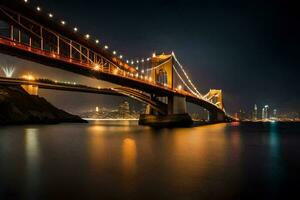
{"points": [[31, 32]]}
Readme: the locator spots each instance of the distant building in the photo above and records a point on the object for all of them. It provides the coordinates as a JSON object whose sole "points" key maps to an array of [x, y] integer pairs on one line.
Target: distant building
{"points": [[265, 113], [275, 113], [124, 110], [241, 115], [267, 116], [254, 117]]}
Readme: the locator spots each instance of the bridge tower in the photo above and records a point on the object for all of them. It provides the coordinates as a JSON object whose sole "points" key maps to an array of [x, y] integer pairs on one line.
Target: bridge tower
{"points": [[176, 110], [162, 72], [215, 96]]}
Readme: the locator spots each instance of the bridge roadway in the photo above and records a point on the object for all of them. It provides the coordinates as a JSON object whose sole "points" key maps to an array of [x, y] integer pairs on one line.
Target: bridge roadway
{"points": [[43, 57], [117, 91]]}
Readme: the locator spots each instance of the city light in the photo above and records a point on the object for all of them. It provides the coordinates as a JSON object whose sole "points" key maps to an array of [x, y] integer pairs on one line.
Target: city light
{"points": [[75, 29], [153, 55], [87, 36], [179, 87], [121, 56], [50, 15], [28, 77], [38, 8], [114, 52], [63, 22], [25, 1], [97, 67], [116, 71], [97, 41], [8, 71], [105, 47]]}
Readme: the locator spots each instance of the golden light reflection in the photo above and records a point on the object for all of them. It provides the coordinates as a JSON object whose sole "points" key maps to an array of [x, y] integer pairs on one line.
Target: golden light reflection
{"points": [[32, 154], [31, 145], [129, 155], [236, 144], [192, 152], [96, 148]]}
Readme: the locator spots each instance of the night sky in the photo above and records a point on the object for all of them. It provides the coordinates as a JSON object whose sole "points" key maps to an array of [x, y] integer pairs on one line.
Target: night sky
{"points": [[249, 49]]}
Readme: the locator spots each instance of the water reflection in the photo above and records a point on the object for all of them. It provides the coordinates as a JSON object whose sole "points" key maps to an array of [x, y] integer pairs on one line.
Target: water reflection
{"points": [[194, 155], [96, 161], [275, 155], [129, 155], [96, 148], [274, 140], [32, 154], [236, 144]]}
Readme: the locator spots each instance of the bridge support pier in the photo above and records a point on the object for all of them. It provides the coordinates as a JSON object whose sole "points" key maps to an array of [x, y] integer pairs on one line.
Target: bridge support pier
{"points": [[176, 115], [31, 89], [216, 116]]}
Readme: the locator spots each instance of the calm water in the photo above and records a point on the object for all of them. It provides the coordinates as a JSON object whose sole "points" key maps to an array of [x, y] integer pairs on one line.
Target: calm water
{"points": [[110, 160]]}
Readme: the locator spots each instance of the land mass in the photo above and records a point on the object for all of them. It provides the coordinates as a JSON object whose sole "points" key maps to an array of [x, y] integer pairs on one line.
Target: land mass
{"points": [[18, 107]]}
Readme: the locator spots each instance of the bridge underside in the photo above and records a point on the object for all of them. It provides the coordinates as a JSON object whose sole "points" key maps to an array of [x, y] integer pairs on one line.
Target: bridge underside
{"points": [[172, 113]]}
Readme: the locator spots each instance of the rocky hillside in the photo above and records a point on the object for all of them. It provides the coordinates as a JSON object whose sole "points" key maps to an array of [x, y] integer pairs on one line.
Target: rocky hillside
{"points": [[18, 107]]}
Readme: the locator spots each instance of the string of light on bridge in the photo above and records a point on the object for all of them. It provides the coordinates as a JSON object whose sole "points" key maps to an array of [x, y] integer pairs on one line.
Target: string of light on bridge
{"points": [[139, 63], [87, 36]]}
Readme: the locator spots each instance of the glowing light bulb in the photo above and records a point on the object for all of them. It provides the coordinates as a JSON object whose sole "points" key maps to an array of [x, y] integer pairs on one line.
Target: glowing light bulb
{"points": [[50, 15], [87, 36], [97, 41], [63, 22], [105, 47], [97, 67], [38, 8], [75, 29], [114, 52]]}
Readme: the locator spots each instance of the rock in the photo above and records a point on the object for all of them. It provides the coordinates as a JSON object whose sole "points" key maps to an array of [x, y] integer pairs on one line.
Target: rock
{"points": [[18, 107]]}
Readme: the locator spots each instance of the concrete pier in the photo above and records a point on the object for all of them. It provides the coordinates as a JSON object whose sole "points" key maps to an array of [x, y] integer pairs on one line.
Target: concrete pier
{"points": [[174, 120], [176, 116]]}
